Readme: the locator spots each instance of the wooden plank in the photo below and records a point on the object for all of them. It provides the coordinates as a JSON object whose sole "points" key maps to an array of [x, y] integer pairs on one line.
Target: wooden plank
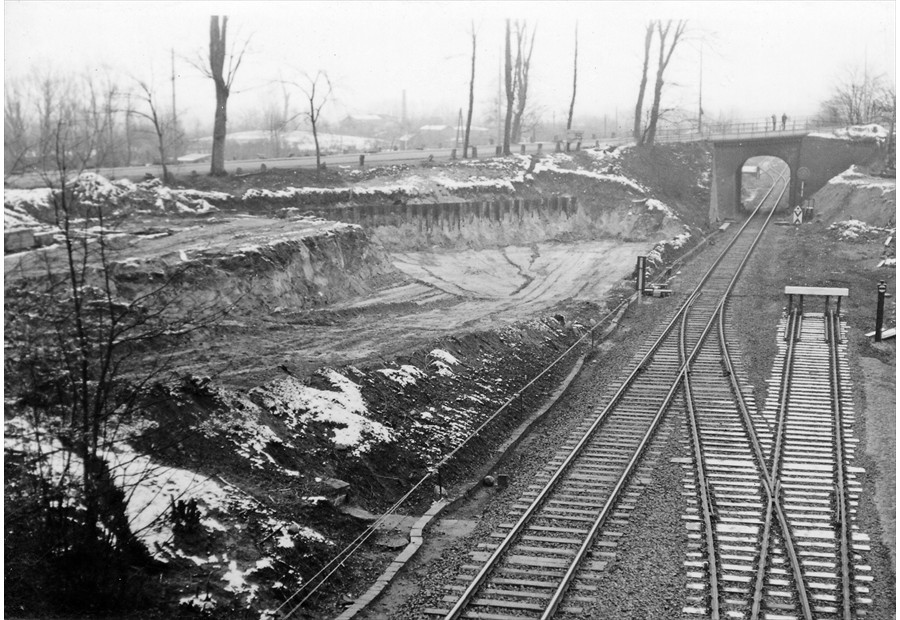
{"points": [[816, 290], [887, 333]]}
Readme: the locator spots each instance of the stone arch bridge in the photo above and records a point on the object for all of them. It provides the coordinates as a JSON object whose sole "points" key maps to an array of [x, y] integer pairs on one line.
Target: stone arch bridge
{"points": [[819, 156]]}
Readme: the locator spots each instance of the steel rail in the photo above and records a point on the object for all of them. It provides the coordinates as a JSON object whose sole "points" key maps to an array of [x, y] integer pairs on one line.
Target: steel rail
{"points": [[833, 322], [489, 565], [487, 568], [792, 334], [600, 520], [702, 482], [771, 488], [771, 484], [569, 576]]}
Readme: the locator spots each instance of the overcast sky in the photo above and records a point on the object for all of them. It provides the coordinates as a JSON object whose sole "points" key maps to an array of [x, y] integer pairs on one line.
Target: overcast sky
{"points": [[758, 58]]}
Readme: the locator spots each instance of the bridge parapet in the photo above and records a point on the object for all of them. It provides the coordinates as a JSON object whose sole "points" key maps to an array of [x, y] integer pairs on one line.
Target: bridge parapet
{"points": [[822, 157]]}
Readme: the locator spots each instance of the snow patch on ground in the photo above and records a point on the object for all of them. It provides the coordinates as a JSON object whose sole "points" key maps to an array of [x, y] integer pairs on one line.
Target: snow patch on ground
{"points": [[855, 132], [656, 256], [405, 375], [551, 164], [853, 229], [442, 362], [857, 178], [657, 205], [344, 409], [15, 203], [150, 487]]}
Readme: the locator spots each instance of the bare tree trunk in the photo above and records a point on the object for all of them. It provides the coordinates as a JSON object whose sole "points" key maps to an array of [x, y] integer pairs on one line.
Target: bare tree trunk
{"points": [[574, 80], [313, 117], [217, 63], [158, 126], [523, 66], [315, 109], [517, 85], [510, 93], [128, 112], [639, 108], [471, 98], [664, 58]]}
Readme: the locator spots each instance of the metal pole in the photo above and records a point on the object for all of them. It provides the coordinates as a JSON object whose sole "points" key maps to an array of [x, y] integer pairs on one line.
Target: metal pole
{"points": [[879, 313], [641, 274]]}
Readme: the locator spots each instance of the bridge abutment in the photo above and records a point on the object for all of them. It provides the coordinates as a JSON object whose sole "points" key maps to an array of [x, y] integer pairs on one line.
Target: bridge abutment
{"points": [[823, 157]]}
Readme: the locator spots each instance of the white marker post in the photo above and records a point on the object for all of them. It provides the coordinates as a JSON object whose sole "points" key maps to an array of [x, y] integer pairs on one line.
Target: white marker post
{"points": [[798, 215]]}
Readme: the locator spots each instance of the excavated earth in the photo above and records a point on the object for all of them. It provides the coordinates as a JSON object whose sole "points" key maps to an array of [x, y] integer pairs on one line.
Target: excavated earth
{"points": [[419, 331]]}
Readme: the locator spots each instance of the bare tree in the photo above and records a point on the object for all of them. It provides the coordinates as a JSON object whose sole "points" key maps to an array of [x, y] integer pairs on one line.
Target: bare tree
{"points": [[664, 57], [318, 92], [81, 359], [17, 146], [277, 118], [99, 117], [510, 91], [574, 80], [639, 107], [159, 123], [223, 79], [471, 96], [859, 99], [521, 75]]}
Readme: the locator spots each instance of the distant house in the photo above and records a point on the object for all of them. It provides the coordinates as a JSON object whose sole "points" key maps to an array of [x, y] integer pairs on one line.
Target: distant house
{"points": [[379, 126], [445, 136]]}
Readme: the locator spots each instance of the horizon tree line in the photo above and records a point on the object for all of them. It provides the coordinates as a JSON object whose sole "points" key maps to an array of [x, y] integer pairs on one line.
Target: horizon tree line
{"points": [[125, 123]]}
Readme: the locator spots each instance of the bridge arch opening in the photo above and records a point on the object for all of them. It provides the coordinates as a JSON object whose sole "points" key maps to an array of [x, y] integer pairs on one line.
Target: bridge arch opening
{"points": [[755, 176]]}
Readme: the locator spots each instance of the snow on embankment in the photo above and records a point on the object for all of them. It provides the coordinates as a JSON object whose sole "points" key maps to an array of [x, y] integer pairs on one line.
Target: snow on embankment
{"points": [[33, 208], [854, 195], [151, 490], [855, 132], [526, 199]]}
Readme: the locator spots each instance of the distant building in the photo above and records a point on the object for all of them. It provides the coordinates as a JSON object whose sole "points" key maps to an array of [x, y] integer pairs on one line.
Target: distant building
{"points": [[445, 136], [379, 126]]}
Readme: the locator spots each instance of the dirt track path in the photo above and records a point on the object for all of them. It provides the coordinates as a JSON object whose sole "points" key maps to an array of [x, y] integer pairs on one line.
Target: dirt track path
{"points": [[443, 293]]}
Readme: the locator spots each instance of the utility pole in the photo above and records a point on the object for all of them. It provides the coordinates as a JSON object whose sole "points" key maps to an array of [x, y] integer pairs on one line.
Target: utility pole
{"points": [[458, 125], [864, 117], [403, 112], [700, 104], [499, 124], [174, 112]]}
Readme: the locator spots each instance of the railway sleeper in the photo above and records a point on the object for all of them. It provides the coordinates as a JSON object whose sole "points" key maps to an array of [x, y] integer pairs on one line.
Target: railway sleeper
{"points": [[538, 562], [513, 594], [530, 583]]}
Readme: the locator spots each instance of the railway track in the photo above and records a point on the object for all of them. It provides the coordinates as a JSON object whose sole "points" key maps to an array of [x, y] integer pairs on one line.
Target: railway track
{"points": [[549, 555], [773, 496]]}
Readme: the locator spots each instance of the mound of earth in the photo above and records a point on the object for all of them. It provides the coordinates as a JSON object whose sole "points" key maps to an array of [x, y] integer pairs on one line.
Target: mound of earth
{"points": [[855, 195]]}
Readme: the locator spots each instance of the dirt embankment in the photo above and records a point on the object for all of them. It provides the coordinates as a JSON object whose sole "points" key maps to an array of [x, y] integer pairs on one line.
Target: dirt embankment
{"points": [[263, 265], [854, 195], [352, 364]]}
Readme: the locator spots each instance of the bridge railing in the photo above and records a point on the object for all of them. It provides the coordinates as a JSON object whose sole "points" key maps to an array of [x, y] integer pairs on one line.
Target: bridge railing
{"points": [[751, 128]]}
